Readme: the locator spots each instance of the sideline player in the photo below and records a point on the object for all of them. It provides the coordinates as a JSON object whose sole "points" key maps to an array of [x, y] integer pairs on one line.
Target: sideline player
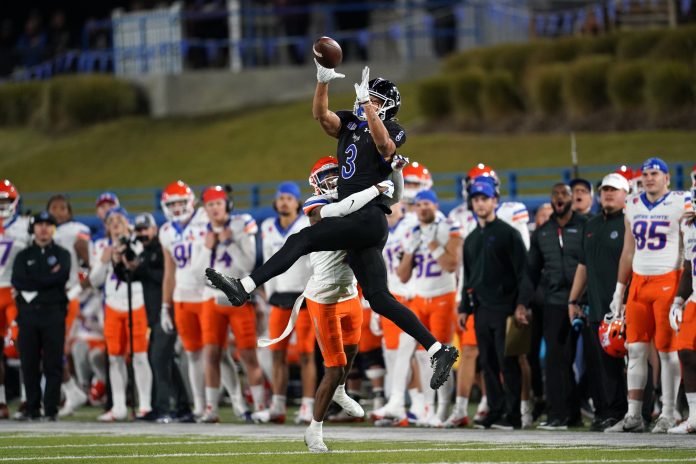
{"points": [[230, 247], [683, 319], [432, 255], [368, 138], [282, 291], [651, 252], [14, 237], [74, 237]]}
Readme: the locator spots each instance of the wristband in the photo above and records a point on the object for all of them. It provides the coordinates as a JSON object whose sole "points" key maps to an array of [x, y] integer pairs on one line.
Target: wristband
{"points": [[437, 252], [573, 302], [166, 306], [678, 301]]}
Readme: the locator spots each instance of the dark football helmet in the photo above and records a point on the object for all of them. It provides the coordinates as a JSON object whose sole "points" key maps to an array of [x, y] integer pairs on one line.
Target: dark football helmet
{"points": [[388, 93]]}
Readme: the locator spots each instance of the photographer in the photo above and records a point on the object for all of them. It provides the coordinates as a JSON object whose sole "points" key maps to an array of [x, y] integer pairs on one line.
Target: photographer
{"points": [[148, 269], [39, 275], [110, 270]]}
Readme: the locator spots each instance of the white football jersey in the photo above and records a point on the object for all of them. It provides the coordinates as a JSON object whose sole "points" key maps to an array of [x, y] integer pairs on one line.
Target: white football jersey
{"points": [[391, 252], [184, 244], [14, 237], [656, 230], [236, 258], [464, 217], [67, 234], [689, 231], [294, 280], [332, 278], [516, 215], [115, 290], [428, 280]]}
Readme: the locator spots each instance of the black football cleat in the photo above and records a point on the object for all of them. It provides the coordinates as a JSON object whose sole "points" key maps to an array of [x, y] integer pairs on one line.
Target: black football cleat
{"points": [[232, 288], [442, 363]]}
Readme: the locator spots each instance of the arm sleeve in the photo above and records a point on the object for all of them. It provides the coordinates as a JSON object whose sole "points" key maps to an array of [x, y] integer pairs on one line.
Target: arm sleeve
{"points": [[398, 179], [350, 204]]}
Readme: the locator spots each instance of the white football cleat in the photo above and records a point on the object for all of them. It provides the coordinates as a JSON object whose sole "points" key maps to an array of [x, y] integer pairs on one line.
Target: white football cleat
{"points": [[304, 415], [349, 405], [663, 424], [633, 424], [113, 416], [388, 411], [314, 441], [73, 402], [685, 428], [456, 419], [435, 422], [265, 416]]}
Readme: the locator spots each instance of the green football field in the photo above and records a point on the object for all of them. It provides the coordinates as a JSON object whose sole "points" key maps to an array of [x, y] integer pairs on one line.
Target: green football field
{"points": [[80, 439]]}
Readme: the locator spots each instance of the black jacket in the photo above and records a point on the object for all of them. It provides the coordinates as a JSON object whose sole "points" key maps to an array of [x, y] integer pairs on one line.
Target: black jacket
{"points": [[44, 270], [495, 269], [556, 250], [150, 273]]}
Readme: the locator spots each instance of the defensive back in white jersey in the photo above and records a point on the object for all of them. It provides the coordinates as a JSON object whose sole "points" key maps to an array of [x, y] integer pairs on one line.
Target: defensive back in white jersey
{"points": [[656, 230], [13, 239]]}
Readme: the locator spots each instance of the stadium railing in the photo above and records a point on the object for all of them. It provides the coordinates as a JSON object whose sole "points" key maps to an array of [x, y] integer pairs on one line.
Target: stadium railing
{"points": [[530, 186]]}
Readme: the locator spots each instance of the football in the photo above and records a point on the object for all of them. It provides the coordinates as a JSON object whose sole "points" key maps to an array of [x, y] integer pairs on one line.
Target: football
{"points": [[327, 52]]}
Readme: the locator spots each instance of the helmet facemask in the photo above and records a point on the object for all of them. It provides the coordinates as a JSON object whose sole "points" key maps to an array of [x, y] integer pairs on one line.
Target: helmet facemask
{"points": [[387, 104], [178, 209], [8, 207], [325, 181]]}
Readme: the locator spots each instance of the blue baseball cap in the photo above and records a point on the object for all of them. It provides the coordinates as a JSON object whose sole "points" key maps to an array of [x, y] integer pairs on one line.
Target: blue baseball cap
{"points": [[289, 188], [482, 188], [116, 210], [108, 197], [426, 195], [655, 163]]}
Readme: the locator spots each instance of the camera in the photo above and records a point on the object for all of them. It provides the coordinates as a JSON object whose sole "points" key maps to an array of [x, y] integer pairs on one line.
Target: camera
{"points": [[129, 253]]}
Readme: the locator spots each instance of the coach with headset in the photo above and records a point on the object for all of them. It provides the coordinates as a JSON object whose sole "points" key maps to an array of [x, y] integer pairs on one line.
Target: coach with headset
{"points": [[39, 275]]}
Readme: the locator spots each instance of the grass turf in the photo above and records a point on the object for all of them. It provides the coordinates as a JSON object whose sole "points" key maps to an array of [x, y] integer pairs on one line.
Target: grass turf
{"points": [[200, 449], [281, 142]]}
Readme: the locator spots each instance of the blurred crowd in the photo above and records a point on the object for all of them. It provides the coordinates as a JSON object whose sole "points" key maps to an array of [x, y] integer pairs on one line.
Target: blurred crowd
{"points": [[139, 325]]}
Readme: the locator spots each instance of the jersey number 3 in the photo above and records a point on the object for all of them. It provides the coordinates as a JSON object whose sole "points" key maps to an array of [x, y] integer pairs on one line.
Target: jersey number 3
{"points": [[348, 171]]}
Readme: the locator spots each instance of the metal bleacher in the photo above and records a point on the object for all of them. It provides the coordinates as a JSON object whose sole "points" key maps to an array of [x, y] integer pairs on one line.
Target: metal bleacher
{"points": [[527, 185]]}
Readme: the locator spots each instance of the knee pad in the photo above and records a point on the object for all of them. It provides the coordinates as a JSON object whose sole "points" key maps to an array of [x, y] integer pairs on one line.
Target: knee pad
{"points": [[637, 374], [375, 373], [140, 359]]}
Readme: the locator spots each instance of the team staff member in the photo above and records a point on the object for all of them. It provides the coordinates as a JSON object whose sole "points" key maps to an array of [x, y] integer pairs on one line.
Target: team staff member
{"points": [[149, 270], [555, 250], [602, 242], [495, 286], [39, 275]]}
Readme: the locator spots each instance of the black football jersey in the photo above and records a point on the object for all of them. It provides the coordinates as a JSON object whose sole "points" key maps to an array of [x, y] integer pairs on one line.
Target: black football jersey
{"points": [[359, 160]]}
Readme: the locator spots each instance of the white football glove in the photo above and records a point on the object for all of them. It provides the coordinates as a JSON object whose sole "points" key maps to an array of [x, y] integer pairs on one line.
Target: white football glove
{"points": [[375, 325], [326, 75], [617, 300], [412, 242], [166, 319], [361, 90], [676, 313], [399, 162], [389, 185]]}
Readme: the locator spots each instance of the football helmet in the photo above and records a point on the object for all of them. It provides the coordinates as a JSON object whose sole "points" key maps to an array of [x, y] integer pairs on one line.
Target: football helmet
{"points": [[324, 176], [693, 175], [174, 193], [480, 170], [387, 92], [637, 181], [416, 179], [612, 335], [8, 192]]}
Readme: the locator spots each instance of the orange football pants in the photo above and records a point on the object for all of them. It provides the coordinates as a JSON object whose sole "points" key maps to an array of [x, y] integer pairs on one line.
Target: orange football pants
{"points": [[217, 318], [116, 331], [336, 325], [647, 310]]}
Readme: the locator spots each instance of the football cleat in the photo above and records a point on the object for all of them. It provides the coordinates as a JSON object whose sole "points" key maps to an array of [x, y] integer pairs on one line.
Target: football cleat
{"points": [[351, 407], [72, 402], [314, 441], [265, 416], [388, 411], [232, 288], [684, 428], [209, 417], [633, 424], [304, 415], [663, 424], [4, 411], [435, 422], [113, 416], [456, 419], [442, 363]]}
